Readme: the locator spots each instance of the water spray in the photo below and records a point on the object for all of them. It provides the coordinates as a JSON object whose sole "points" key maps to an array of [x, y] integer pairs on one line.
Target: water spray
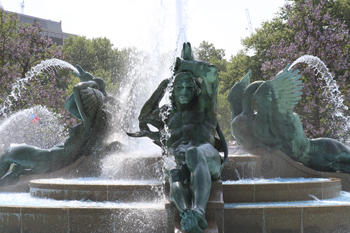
{"points": [[331, 89], [19, 84]]}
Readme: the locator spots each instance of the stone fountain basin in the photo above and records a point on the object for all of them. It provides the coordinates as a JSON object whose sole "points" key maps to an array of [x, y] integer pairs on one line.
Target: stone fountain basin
{"points": [[95, 189], [318, 218], [282, 191], [66, 216], [330, 215]]}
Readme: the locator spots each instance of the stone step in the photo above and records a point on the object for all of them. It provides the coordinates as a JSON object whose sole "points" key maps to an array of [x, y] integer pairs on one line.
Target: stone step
{"points": [[134, 168], [109, 217], [97, 190], [276, 218], [235, 192]]}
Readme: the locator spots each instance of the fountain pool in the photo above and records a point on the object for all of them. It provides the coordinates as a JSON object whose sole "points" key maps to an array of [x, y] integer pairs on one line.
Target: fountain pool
{"points": [[127, 195]]}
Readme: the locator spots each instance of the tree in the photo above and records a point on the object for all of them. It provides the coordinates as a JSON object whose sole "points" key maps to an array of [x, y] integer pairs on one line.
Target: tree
{"points": [[23, 46], [207, 52], [271, 32], [9, 70], [315, 33], [236, 68], [338, 9], [98, 57]]}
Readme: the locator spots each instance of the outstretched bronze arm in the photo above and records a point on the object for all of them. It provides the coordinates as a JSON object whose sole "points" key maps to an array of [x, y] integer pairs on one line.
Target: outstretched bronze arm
{"points": [[151, 106], [150, 114]]}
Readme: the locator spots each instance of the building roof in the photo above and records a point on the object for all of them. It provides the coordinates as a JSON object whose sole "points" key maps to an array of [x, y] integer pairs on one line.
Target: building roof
{"points": [[47, 25]]}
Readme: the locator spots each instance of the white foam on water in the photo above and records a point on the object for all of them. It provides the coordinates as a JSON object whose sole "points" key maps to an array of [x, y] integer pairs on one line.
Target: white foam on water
{"points": [[343, 199], [98, 181], [274, 180], [25, 200]]}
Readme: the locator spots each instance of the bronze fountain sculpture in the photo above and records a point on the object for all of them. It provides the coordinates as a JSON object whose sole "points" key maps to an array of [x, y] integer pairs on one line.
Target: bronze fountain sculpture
{"points": [[192, 124], [88, 102], [275, 126]]}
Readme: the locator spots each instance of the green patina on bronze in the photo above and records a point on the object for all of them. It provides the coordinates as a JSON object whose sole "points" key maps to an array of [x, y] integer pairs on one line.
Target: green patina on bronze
{"points": [[275, 126], [88, 102], [192, 124]]}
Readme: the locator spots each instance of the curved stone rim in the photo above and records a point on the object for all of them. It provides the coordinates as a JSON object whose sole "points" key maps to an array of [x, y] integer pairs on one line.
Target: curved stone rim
{"points": [[281, 192], [134, 192]]}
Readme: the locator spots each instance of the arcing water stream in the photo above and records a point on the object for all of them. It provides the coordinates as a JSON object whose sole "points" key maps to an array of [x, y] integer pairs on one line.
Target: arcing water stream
{"points": [[47, 65], [331, 90], [149, 68]]}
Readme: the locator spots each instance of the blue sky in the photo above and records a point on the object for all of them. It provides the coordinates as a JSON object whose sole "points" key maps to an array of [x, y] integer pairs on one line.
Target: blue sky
{"points": [[141, 23]]}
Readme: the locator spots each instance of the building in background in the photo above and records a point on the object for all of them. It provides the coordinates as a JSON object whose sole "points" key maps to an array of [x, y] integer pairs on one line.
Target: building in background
{"points": [[51, 29]]}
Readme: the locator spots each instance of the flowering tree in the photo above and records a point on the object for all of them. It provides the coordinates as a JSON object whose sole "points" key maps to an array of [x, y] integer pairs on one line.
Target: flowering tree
{"points": [[23, 46], [317, 34], [8, 70]]}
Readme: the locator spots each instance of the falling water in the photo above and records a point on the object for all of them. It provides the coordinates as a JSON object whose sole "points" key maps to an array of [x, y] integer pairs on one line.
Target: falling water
{"points": [[181, 19], [47, 65], [44, 131], [313, 197], [331, 90], [237, 174], [181, 23], [18, 128], [150, 67]]}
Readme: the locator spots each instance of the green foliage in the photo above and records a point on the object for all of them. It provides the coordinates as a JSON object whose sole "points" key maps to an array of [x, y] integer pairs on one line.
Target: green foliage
{"points": [[22, 46], [235, 70], [207, 52], [98, 57], [224, 115], [271, 32], [340, 9], [317, 33]]}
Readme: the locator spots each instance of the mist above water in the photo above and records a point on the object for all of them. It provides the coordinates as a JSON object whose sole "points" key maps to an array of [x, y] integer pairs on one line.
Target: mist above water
{"points": [[36, 126], [150, 67]]}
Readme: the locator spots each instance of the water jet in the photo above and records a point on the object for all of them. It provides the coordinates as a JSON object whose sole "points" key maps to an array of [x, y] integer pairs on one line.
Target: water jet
{"points": [[63, 201]]}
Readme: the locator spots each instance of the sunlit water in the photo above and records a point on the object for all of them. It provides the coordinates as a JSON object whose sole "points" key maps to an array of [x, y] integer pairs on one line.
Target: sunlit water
{"points": [[36, 126], [149, 69], [343, 199], [98, 181], [19, 84], [330, 91], [25, 200], [274, 180]]}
